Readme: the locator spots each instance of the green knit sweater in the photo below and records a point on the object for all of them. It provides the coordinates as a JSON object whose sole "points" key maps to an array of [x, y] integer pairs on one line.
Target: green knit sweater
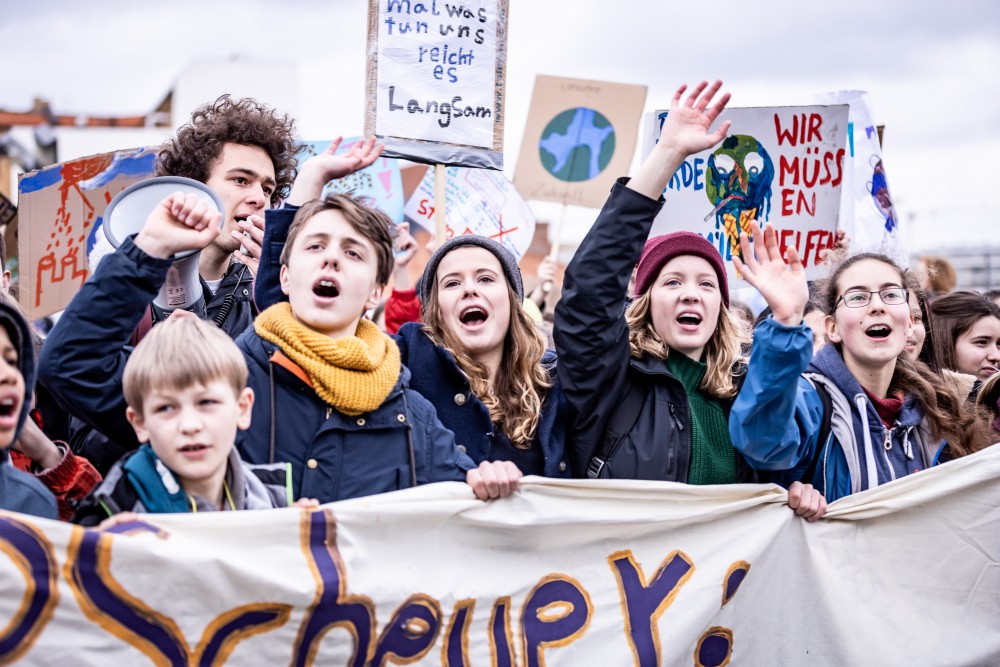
{"points": [[713, 459]]}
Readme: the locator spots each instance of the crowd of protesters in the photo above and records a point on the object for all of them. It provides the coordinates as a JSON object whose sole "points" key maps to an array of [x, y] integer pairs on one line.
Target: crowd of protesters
{"points": [[308, 382]]}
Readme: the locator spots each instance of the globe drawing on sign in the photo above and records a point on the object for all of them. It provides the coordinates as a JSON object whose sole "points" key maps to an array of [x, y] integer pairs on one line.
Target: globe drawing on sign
{"points": [[577, 144]]}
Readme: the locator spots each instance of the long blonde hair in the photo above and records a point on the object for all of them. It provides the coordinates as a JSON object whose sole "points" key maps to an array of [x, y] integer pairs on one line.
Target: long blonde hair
{"points": [[521, 381], [721, 352]]}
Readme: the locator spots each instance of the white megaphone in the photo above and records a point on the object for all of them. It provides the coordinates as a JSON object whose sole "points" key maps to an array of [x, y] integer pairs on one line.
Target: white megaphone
{"points": [[127, 213]]}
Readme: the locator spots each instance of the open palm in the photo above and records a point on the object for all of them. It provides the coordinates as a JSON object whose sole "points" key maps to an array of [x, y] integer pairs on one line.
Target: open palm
{"points": [[686, 128], [782, 282]]}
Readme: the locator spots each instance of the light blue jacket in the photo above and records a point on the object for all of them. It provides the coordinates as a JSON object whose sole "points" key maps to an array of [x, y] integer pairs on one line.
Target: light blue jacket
{"points": [[777, 417]]}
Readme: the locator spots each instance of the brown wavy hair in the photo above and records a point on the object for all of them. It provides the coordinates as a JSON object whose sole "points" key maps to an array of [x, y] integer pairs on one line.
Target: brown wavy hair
{"points": [[521, 383], [951, 417], [953, 314], [198, 145], [722, 352]]}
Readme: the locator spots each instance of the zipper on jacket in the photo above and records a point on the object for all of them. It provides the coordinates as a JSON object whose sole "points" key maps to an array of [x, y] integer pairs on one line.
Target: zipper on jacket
{"points": [[328, 411], [886, 446], [673, 415], [887, 440]]}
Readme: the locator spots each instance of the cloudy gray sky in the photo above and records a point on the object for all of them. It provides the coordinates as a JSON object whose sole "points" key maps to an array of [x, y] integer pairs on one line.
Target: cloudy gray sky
{"points": [[932, 69]]}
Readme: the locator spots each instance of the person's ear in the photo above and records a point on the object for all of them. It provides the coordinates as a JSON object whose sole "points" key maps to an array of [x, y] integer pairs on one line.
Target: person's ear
{"points": [[374, 297], [245, 403], [283, 279], [832, 334], [138, 424]]}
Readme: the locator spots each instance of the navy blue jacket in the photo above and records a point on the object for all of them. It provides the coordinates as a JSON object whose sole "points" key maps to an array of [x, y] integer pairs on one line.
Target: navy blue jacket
{"points": [[333, 456], [19, 491], [435, 374], [596, 366], [437, 377]]}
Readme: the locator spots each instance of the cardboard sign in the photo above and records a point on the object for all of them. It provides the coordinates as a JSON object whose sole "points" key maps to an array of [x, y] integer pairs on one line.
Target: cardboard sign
{"points": [[783, 165], [435, 80], [478, 202], [564, 572], [580, 136], [61, 207], [380, 182]]}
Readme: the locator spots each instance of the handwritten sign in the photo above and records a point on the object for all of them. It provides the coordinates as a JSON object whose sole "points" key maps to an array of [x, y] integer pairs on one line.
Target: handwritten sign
{"points": [[435, 79], [580, 136], [478, 202], [379, 182], [60, 209], [562, 573], [783, 165]]}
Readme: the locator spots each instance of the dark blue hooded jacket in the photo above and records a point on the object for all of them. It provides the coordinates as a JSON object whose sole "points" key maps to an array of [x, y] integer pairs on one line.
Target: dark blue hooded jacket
{"points": [[19, 491]]}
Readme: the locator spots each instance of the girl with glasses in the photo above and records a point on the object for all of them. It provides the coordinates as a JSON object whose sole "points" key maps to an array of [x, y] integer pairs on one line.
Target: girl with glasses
{"points": [[858, 414]]}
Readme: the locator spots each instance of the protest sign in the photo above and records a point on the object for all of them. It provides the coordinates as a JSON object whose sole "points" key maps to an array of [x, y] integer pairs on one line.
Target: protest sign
{"points": [[564, 572], [479, 202], [380, 182], [580, 136], [867, 212], [435, 80], [783, 165], [60, 209]]}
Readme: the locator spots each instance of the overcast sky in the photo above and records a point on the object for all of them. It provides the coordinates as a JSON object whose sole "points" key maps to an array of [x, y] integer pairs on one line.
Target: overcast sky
{"points": [[932, 70]]}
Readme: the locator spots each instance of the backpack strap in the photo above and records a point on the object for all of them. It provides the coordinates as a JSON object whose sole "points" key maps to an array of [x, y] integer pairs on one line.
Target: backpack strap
{"points": [[824, 430], [620, 423]]}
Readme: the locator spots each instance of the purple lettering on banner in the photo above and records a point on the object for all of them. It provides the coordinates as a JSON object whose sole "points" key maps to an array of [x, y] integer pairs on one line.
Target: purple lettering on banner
{"points": [[455, 652], [332, 607], [556, 613], [501, 640], [157, 636], [411, 631], [32, 555], [644, 603]]}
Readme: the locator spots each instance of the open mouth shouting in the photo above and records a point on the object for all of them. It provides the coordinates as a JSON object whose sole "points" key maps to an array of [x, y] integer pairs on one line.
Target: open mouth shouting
{"points": [[689, 321], [879, 332], [9, 411], [326, 289], [473, 317]]}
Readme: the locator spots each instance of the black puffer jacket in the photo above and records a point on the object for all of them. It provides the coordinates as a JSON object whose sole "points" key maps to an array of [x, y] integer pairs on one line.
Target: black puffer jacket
{"points": [[595, 365]]}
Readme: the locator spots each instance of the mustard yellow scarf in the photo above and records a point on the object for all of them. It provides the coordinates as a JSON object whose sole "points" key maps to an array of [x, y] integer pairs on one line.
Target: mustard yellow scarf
{"points": [[353, 374]]}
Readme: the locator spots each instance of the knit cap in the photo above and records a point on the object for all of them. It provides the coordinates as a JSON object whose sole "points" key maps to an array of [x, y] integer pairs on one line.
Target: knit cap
{"points": [[507, 262], [661, 249]]}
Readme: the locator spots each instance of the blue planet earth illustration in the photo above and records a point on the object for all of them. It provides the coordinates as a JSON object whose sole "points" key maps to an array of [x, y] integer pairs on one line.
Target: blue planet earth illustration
{"points": [[577, 144]]}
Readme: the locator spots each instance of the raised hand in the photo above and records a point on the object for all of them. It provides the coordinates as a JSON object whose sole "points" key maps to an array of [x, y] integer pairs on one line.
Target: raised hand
{"points": [[685, 131], [405, 245], [686, 128], [179, 223], [782, 282], [327, 166]]}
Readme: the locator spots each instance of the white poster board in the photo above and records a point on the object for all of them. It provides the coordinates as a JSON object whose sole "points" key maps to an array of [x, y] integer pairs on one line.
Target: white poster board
{"points": [[783, 165], [478, 202], [436, 80]]}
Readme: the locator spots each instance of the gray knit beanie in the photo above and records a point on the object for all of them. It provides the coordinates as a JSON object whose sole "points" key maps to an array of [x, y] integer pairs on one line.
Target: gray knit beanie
{"points": [[507, 261]]}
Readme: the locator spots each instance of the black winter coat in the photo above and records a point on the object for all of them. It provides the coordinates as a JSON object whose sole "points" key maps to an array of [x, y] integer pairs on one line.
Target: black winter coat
{"points": [[596, 368]]}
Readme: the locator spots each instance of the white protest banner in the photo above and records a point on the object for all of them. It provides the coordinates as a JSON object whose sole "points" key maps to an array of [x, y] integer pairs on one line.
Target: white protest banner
{"points": [[577, 572], [478, 202], [435, 80], [580, 136], [783, 165], [867, 212]]}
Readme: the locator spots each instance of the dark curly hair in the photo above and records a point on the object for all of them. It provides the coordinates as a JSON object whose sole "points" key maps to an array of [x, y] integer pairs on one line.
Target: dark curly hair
{"points": [[197, 145]]}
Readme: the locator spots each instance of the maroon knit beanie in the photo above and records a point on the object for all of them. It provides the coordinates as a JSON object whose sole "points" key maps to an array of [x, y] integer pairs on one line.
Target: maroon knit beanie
{"points": [[662, 249]]}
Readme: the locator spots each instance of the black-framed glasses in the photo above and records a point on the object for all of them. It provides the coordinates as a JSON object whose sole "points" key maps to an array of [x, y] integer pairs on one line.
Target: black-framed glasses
{"points": [[859, 298]]}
